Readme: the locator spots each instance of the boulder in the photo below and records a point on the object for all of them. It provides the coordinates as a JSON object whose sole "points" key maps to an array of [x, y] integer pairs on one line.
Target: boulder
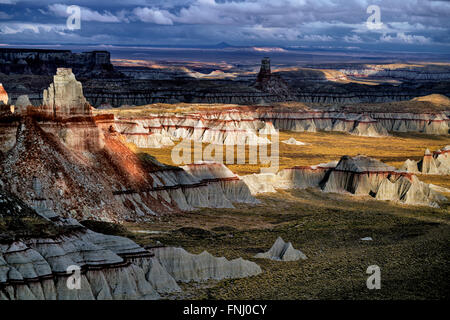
{"points": [[282, 251]]}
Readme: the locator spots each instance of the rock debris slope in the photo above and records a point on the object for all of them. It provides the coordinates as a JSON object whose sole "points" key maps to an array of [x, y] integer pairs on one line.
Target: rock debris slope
{"points": [[282, 251]]}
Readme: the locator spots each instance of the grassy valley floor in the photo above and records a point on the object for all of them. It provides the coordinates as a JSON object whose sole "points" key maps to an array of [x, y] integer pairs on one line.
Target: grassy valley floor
{"points": [[324, 147], [410, 245]]}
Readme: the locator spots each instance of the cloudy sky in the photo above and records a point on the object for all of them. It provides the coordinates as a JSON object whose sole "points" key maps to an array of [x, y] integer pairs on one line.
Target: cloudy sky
{"points": [[415, 25]]}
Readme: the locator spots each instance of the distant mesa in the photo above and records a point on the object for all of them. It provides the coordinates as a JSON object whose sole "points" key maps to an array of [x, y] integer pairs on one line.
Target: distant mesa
{"points": [[293, 141], [45, 62]]}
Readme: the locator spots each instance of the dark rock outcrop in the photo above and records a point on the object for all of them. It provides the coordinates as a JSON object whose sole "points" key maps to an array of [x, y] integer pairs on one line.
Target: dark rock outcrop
{"points": [[45, 62]]}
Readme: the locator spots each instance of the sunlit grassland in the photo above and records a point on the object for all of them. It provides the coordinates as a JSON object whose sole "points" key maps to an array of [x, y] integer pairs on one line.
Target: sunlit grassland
{"points": [[323, 147], [409, 244]]}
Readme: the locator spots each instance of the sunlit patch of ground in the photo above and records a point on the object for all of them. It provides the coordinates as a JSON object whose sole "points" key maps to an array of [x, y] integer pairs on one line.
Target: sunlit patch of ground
{"points": [[329, 146], [410, 245]]}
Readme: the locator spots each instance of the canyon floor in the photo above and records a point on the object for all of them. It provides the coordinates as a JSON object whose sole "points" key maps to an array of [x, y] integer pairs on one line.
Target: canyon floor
{"points": [[323, 147], [410, 243]]}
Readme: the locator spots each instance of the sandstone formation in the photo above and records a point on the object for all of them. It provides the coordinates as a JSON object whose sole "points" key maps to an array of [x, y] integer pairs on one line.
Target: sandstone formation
{"points": [[162, 130], [358, 175], [282, 251], [224, 187], [362, 175], [37, 266], [294, 142], [437, 162], [184, 266], [65, 95], [88, 173], [271, 83], [299, 177], [237, 125], [22, 101]]}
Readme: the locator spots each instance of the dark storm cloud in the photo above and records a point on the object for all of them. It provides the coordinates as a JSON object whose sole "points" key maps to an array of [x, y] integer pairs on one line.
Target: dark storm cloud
{"points": [[411, 23]]}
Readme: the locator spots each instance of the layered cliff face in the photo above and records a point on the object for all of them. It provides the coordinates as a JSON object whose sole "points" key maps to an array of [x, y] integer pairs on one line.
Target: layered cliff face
{"points": [[331, 84], [359, 176], [366, 176], [95, 176], [278, 89], [224, 188], [60, 157], [216, 128], [437, 162], [300, 177], [46, 257], [34, 264], [155, 127], [46, 62], [3, 95], [282, 251]]}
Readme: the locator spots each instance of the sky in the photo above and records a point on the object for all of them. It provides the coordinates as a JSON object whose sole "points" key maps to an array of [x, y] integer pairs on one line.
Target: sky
{"points": [[404, 25]]}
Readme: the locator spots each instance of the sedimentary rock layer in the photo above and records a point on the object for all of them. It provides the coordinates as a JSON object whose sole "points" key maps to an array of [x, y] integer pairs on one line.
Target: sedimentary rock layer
{"points": [[358, 175], [250, 125], [68, 261], [75, 168], [184, 266], [62, 158], [65, 95], [437, 162]]}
